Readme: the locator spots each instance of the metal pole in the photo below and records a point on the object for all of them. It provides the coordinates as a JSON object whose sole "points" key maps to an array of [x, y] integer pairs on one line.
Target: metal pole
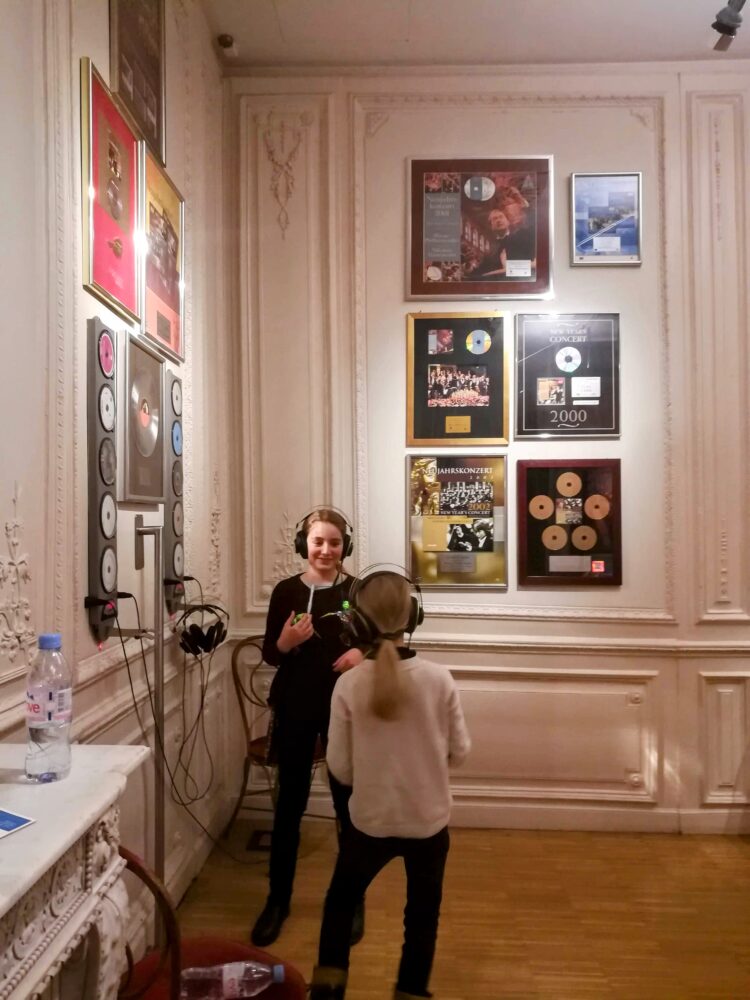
{"points": [[159, 855]]}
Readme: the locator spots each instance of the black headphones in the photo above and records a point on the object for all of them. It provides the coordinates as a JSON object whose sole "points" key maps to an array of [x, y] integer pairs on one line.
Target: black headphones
{"points": [[194, 638], [300, 531], [363, 630]]}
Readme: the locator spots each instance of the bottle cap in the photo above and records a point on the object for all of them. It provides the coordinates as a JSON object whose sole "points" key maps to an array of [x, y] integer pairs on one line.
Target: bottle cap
{"points": [[50, 640], [278, 973]]}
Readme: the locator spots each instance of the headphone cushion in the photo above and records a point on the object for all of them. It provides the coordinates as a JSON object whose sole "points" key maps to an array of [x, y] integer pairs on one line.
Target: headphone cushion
{"points": [[209, 639]]}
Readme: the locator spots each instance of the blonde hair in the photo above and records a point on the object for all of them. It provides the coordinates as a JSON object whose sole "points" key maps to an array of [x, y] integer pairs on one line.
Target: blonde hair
{"points": [[385, 601]]}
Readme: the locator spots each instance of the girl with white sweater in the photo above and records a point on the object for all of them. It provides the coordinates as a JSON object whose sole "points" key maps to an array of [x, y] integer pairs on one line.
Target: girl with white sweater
{"points": [[396, 727]]}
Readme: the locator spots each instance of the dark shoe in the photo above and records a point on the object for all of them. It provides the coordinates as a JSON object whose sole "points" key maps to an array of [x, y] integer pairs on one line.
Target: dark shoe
{"points": [[358, 924], [328, 983], [268, 925]]}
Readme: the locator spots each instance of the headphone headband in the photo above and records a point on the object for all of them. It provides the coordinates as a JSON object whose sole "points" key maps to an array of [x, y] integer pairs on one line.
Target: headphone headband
{"points": [[300, 531], [364, 630]]}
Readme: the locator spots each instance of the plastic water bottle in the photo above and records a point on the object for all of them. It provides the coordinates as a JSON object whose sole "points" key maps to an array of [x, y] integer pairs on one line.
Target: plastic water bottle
{"points": [[235, 979], [49, 710]]}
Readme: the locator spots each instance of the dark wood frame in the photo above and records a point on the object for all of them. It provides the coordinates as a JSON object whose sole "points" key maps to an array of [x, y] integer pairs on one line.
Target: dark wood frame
{"points": [[482, 235], [496, 360], [525, 493], [128, 45]]}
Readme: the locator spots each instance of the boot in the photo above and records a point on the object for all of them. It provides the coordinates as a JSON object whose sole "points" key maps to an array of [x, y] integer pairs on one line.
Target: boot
{"points": [[268, 925], [328, 983], [358, 924]]}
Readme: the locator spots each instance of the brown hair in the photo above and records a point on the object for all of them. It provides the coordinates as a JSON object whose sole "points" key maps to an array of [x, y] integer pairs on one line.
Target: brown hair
{"points": [[386, 602], [326, 515]]}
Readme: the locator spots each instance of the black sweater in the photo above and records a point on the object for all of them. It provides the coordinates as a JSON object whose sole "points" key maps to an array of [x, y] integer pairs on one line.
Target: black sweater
{"points": [[304, 681]]}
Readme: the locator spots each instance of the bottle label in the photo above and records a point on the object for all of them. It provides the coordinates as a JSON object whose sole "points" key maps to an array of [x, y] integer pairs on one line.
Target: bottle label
{"points": [[45, 705], [232, 974]]}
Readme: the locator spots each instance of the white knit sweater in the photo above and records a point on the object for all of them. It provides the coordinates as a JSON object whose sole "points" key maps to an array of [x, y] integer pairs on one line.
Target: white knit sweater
{"points": [[398, 768]]}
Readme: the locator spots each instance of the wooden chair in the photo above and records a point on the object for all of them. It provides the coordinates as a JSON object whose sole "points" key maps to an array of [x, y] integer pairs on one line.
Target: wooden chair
{"points": [[157, 975], [247, 661]]}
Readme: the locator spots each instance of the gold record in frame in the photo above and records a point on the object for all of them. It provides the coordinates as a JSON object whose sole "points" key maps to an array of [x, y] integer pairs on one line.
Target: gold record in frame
{"points": [[584, 537], [541, 507], [555, 537], [569, 484], [596, 507]]}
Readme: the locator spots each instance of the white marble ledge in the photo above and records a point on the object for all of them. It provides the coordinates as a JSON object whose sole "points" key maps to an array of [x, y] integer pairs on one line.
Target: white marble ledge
{"points": [[63, 810]]}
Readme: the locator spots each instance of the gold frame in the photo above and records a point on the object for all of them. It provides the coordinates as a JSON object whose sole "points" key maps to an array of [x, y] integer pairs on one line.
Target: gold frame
{"points": [[458, 441]]}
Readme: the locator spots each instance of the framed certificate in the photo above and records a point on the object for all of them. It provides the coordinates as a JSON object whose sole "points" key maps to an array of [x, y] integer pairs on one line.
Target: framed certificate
{"points": [[480, 228], [569, 522], [456, 520], [109, 198], [163, 280], [606, 218], [457, 378], [567, 375]]}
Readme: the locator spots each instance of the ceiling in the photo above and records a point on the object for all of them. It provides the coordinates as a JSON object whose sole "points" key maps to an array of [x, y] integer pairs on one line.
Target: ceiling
{"points": [[469, 32]]}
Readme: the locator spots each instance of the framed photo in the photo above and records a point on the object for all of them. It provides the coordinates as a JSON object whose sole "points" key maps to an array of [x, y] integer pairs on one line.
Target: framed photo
{"points": [[567, 375], [109, 197], [456, 520], [457, 378], [480, 228], [569, 522], [163, 284], [136, 66], [606, 218]]}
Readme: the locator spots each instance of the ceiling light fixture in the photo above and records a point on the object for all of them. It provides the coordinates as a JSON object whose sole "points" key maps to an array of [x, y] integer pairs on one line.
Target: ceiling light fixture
{"points": [[727, 22]]}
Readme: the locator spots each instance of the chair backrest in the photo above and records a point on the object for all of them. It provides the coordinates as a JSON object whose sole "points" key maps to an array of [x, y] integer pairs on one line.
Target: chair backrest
{"points": [[170, 948], [247, 660]]}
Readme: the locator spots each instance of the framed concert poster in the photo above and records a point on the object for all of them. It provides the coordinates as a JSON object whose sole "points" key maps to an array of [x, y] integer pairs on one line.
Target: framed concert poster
{"points": [[109, 197], [480, 228], [567, 375], [456, 520], [606, 218], [137, 65], [163, 284], [569, 522], [457, 379]]}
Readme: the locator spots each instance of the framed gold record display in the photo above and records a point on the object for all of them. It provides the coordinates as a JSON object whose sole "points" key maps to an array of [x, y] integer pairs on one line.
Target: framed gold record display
{"points": [[163, 280], [143, 420], [456, 520], [569, 522], [457, 378]]}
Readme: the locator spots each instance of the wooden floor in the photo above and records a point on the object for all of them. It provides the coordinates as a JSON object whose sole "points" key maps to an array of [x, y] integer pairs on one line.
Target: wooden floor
{"points": [[560, 916]]}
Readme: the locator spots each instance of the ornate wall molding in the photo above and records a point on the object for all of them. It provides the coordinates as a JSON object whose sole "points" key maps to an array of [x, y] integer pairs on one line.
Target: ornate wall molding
{"points": [[214, 534], [17, 635], [282, 140], [725, 734], [720, 433]]}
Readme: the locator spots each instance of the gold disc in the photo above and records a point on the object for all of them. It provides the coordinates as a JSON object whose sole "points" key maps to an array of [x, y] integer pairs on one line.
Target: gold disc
{"points": [[596, 507], [554, 537], [569, 484], [584, 537], [541, 507]]}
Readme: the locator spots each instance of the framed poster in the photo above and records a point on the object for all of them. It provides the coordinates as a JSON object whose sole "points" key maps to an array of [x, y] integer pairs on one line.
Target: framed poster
{"points": [[480, 228], [109, 197], [569, 522], [456, 520], [136, 66], [163, 284], [606, 222], [457, 379], [567, 375]]}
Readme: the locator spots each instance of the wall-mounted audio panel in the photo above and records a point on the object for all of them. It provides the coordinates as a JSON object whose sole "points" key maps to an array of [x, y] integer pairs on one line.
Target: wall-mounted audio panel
{"points": [[102, 466], [174, 520]]}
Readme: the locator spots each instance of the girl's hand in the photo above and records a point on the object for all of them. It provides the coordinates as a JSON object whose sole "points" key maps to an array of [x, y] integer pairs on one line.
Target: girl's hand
{"points": [[297, 629], [348, 660]]}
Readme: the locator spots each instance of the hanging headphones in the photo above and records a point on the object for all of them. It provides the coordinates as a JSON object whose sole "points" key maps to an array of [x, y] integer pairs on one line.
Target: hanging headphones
{"points": [[362, 629], [198, 640], [302, 527]]}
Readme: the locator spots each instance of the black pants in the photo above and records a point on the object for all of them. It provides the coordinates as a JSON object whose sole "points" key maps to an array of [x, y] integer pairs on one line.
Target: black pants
{"points": [[295, 747], [360, 859]]}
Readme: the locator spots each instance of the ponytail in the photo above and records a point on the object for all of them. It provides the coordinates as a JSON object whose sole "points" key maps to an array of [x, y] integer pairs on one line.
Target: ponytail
{"points": [[387, 685]]}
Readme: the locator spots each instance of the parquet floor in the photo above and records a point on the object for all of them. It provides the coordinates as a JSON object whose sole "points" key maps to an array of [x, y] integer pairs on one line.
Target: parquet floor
{"points": [[526, 915]]}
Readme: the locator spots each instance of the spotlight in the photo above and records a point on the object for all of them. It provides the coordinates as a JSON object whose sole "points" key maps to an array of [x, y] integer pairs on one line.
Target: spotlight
{"points": [[727, 22]]}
